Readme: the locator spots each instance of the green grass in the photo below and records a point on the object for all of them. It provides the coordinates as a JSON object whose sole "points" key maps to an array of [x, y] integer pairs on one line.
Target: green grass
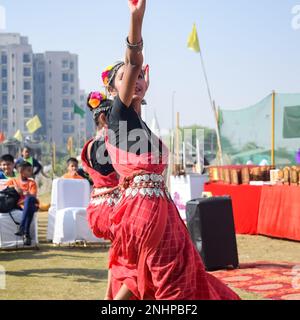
{"points": [[80, 273]]}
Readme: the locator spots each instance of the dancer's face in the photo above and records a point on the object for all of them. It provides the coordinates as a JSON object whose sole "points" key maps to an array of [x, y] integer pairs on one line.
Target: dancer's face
{"points": [[140, 86]]}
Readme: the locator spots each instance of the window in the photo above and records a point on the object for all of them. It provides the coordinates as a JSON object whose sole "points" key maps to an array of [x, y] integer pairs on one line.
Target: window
{"points": [[66, 116], [4, 86], [72, 78], [50, 75], [4, 126], [4, 100], [27, 99], [65, 77], [5, 113], [65, 89], [72, 91], [66, 103], [71, 65], [4, 73], [27, 72], [27, 85], [68, 129], [27, 113], [26, 58], [3, 58], [65, 64]]}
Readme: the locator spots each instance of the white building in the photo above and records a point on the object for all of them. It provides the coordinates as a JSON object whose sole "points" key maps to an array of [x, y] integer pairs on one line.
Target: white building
{"points": [[44, 84], [60, 89], [89, 125], [16, 83]]}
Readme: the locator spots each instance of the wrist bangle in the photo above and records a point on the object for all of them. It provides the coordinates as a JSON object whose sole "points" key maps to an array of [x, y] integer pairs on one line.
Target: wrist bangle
{"points": [[138, 46]]}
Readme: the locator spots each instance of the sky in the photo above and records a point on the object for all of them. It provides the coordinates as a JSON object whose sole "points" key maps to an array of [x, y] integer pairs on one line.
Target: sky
{"points": [[249, 47]]}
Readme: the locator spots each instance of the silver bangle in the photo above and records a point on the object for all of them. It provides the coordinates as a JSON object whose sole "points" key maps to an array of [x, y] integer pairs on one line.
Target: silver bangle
{"points": [[138, 46]]}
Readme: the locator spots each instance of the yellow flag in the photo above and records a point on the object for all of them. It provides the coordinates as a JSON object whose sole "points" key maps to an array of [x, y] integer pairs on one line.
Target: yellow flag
{"points": [[34, 124], [193, 41], [18, 136]]}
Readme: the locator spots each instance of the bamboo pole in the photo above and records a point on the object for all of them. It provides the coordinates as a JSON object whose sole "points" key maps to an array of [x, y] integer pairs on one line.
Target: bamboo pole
{"points": [[273, 129], [213, 106]]}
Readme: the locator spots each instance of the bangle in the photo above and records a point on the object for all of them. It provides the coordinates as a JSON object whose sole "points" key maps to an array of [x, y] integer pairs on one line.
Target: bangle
{"points": [[138, 46]]}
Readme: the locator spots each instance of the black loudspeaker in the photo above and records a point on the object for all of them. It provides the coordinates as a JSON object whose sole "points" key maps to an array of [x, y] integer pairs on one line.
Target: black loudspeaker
{"points": [[211, 226]]}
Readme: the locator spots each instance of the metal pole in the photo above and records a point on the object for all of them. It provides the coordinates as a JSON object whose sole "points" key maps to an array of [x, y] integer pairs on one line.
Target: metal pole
{"points": [[273, 129], [173, 110], [212, 103]]}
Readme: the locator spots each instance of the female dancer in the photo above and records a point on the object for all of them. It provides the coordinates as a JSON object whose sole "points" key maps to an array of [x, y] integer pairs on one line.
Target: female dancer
{"points": [[153, 255], [97, 164]]}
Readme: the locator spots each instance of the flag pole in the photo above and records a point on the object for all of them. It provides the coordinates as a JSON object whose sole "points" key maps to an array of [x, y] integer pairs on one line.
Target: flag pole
{"points": [[193, 43], [213, 106]]}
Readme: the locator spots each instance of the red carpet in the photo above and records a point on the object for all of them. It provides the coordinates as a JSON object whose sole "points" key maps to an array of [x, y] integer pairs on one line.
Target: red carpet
{"points": [[274, 281]]}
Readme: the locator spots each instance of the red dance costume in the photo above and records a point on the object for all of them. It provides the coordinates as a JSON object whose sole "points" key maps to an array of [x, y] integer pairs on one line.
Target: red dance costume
{"points": [[103, 198], [152, 252]]}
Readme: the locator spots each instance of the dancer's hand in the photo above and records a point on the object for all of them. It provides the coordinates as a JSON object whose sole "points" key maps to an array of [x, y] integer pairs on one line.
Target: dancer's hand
{"points": [[137, 8]]}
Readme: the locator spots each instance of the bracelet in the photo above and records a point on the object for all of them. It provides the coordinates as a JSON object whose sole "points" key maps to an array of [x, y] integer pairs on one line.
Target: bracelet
{"points": [[138, 46]]}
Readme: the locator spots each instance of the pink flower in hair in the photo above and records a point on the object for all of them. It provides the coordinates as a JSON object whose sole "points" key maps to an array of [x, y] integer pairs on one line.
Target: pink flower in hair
{"points": [[96, 98]]}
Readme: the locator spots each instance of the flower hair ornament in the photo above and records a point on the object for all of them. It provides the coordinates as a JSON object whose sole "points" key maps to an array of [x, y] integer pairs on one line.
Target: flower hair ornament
{"points": [[108, 75], [95, 99], [98, 103]]}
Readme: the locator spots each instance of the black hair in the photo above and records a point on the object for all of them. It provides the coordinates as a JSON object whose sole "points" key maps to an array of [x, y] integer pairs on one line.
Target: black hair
{"points": [[113, 72], [7, 158], [72, 160], [27, 148], [103, 108], [24, 165]]}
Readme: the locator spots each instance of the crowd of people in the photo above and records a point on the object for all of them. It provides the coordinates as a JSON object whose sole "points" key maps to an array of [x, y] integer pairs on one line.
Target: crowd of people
{"points": [[20, 174]]}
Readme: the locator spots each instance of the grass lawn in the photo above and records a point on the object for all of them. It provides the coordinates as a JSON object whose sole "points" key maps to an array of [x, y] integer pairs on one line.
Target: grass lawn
{"points": [[73, 273]]}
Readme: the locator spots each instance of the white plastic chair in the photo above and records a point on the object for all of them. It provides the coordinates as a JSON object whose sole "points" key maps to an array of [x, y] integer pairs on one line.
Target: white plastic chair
{"points": [[8, 228], [67, 221]]}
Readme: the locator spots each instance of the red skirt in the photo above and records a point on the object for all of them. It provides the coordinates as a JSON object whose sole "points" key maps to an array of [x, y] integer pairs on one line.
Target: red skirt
{"points": [[99, 221], [154, 256]]}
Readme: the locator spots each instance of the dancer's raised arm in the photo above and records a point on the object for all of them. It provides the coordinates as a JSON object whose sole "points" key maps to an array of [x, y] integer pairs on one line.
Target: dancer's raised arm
{"points": [[134, 56]]}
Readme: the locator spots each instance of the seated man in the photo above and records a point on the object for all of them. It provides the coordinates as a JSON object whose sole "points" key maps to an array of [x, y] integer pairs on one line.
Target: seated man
{"points": [[7, 164], [27, 189], [72, 168]]}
